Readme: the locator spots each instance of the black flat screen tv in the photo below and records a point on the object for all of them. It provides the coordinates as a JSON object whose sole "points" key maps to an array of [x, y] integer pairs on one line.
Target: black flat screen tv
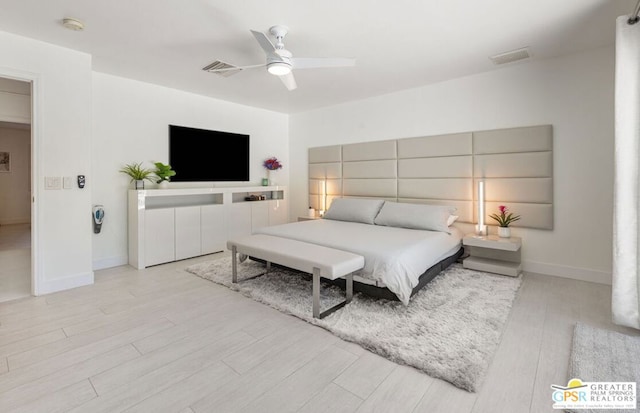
{"points": [[202, 155]]}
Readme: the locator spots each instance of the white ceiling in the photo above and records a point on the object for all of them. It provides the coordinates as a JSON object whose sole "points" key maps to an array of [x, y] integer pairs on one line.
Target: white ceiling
{"points": [[397, 44]]}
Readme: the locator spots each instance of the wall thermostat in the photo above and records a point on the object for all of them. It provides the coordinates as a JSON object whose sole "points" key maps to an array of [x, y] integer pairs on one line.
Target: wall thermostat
{"points": [[81, 181]]}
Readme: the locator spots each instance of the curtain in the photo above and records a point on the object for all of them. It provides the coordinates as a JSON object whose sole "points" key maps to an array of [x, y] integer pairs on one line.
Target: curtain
{"points": [[625, 300]]}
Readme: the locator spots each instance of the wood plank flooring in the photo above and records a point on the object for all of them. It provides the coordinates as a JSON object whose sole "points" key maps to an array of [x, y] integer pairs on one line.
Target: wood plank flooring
{"points": [[162, 340], [15, 256]]}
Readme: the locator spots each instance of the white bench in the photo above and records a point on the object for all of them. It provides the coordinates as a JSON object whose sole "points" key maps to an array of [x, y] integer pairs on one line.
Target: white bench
{"points": [[302, 256]]}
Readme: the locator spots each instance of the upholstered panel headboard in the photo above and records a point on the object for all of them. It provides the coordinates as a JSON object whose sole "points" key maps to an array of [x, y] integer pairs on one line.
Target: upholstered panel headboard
{"points": [[516, 165]]}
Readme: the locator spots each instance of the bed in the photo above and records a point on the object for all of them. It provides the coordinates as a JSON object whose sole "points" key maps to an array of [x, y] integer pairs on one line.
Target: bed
{"points": [[404, 245]]}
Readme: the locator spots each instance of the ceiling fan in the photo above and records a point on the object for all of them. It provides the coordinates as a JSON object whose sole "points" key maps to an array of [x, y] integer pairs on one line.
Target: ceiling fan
{"points": [[280, 62]]}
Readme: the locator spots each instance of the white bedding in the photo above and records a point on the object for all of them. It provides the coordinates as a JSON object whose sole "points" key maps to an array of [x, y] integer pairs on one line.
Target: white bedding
{"points": [[394, 256]]}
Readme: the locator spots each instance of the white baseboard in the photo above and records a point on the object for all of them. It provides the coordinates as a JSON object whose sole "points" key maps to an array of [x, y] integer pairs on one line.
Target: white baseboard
{"points": [[15, 221], [60, 284], [110, 262], [575, 273]]}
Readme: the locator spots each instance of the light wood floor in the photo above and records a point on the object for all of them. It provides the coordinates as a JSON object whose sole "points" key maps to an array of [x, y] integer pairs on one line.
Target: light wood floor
{"points": [[162, 340], [15, 261]]}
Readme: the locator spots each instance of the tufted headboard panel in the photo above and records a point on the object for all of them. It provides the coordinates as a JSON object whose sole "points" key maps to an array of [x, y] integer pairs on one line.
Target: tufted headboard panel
{"points": [[516, 165]]}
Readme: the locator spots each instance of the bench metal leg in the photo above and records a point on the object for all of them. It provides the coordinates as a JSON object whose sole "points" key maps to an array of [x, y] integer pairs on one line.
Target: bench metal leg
{"points": [[234, 265], [316, 293]]}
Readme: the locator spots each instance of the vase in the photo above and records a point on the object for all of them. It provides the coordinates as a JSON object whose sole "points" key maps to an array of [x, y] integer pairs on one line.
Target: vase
{"points": [[139, 184], [266, 181], [163, 184], [504, 232]]}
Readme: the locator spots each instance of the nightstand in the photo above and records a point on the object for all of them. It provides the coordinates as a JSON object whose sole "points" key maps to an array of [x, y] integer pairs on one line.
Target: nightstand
{"points": [[307, 218], [494, 254]]}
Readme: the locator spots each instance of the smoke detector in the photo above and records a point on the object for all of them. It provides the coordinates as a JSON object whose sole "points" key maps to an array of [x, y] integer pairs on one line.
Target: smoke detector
{"points": [[511, 56], [72, 24]]}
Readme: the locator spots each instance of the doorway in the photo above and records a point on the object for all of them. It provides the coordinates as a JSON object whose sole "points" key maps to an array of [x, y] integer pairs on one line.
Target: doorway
{"points": [[16, 194]]}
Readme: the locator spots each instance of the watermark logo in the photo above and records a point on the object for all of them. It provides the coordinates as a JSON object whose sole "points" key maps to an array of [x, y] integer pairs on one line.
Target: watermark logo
{"points": [[594, 395]]}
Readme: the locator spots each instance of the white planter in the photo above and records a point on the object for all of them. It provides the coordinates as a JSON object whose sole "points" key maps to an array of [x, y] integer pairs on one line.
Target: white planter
{"points": [[163, 185], [504, 232]]}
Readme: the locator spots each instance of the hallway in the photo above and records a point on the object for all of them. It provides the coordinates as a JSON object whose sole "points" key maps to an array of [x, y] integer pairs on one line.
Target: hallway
{"points": [[15, 261]]}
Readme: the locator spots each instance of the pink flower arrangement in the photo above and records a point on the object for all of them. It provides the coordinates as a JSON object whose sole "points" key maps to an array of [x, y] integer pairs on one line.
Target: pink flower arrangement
{"points": [[505, 218], [272, 164]]}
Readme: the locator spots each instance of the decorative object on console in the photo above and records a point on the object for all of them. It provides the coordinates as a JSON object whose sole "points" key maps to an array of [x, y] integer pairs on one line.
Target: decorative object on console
{"points": [[164, 173], [138, 174], [270, 164], [505, 218]]}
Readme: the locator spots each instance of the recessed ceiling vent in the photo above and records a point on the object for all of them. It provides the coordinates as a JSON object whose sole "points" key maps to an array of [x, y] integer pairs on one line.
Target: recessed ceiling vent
{"points": [[512, 56], [222, 68]]}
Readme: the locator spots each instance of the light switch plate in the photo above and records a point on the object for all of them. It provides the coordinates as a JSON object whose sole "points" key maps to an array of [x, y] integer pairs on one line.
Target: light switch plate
{"points": [[52, 182], [67, 183]]}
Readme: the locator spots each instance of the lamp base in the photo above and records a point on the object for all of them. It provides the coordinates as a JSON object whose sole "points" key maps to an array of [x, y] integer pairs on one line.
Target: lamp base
{"points": [[481, 230]]}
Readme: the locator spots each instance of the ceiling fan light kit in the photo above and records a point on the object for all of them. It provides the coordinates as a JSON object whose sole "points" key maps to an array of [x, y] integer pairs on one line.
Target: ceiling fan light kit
{"points": [[280, 62], [279, 68]]}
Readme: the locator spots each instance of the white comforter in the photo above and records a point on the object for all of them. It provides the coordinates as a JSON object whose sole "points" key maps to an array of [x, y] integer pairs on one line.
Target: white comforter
{"points": [[395, 256]]}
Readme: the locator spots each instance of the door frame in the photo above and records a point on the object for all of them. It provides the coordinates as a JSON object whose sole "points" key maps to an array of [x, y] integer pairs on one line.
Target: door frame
{"points": [[35, 81]]}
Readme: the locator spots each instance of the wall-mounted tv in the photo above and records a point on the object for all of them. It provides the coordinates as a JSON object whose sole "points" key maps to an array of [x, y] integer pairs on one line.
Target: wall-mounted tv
{"points": [[202, 155]]}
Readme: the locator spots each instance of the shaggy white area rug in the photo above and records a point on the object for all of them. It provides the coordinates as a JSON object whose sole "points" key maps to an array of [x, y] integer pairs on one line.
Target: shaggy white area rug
{"points": [[599, 355], [450, 329]]}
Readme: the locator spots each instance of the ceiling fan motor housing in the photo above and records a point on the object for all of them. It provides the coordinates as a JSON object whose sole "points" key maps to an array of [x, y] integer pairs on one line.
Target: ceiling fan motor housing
{"points": [[280, 63]]}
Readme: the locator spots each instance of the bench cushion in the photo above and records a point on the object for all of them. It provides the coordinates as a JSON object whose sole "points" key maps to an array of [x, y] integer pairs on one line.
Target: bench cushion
{"points": [[299, 255]]}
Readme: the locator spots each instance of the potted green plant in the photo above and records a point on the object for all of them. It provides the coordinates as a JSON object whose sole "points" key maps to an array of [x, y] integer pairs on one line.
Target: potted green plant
{"points": [[138, 174], [163, 173], [504, 219]]}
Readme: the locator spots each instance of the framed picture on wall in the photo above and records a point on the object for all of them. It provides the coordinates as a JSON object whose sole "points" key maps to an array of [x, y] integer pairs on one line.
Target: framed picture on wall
{"points": [[5, 161]]}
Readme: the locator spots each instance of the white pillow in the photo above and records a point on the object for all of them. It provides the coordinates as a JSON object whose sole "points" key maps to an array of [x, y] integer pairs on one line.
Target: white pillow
{"points": [[354, 210], [452, 219], [415, 216]]}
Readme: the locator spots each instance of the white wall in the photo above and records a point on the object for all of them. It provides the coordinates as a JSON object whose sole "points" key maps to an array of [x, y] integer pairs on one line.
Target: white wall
{"points": [[62, 128], [130, 124], [573, 93], [15, 186]]}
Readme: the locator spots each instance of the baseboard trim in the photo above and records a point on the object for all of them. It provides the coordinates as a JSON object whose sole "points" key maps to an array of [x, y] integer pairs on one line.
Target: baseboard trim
{"points": [[61, 284], [564, 271], [110, 262]]}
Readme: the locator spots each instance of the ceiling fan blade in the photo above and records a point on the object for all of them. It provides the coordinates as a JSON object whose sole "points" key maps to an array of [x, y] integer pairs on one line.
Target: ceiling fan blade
{"points": [[318, 62], [265, 43], [289, 81]]}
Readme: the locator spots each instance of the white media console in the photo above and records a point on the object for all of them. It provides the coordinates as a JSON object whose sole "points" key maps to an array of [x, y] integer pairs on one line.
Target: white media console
{"points": [[173, 224]]}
